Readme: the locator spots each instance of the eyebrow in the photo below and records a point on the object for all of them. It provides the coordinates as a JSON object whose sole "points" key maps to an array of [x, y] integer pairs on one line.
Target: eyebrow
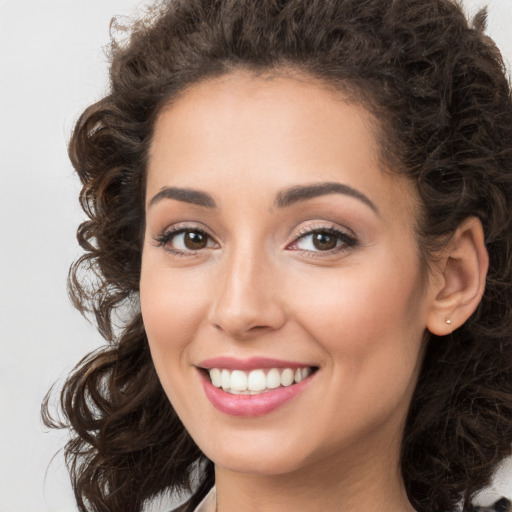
{"points": [[284, 198], [186, 195], [301, 193]]}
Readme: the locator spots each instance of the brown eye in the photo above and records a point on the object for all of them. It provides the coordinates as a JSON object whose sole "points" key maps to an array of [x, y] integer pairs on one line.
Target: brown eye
{"points": [[195, 240], [185, 241], [324, 241]]}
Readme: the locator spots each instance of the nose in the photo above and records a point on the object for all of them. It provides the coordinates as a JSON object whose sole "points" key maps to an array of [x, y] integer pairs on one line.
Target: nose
{"points": [[247, 300]]}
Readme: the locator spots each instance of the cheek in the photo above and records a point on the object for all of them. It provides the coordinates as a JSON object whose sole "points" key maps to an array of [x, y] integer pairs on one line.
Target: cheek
{"points": [[172, 310], [368, 318], [370, 328]]}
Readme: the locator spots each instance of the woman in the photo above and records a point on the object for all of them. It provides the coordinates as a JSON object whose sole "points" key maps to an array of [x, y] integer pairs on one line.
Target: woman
{"points": [[300, 242]]}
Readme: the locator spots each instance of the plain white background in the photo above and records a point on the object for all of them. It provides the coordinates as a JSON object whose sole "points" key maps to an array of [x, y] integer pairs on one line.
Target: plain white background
{"points": [[51, 67]]}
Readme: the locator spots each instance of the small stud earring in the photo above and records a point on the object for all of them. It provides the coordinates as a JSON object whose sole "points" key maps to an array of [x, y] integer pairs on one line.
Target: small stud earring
{"points": [[448, 321]]}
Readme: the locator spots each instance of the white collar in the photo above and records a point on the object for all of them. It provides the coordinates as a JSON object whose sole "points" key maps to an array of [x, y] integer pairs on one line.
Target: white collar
{"points": [[208, 504]]}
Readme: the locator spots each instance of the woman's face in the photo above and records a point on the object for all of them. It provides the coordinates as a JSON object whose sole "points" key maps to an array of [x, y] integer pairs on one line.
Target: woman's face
{"points": [[277, 249]]}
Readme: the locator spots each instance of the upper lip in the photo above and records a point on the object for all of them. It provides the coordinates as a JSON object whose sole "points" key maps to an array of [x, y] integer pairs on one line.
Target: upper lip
{"points": [[252, 363]]}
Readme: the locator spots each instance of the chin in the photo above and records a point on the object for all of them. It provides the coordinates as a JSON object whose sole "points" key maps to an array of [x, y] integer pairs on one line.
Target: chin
{"points": [[258, 453], [258, 463]]}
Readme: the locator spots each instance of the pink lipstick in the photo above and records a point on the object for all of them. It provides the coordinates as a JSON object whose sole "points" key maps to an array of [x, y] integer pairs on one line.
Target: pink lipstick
{"points": [[253, 387]]}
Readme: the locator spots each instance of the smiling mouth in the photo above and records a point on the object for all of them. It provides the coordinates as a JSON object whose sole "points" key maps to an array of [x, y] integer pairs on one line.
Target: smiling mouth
{"points": [[257, 381]]}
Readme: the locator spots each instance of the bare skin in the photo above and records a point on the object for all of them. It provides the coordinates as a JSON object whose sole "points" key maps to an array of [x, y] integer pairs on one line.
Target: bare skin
{"points": [[254, 282]]}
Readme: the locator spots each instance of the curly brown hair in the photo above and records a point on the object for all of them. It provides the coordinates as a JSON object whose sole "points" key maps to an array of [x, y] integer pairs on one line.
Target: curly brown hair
{"points": [[438, 87]]}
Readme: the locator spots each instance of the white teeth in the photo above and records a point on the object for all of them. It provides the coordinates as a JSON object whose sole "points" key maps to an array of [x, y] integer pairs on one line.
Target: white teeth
{"points": [[256, 381], [238, 381], [287, 377], [305, 372], [215, 375], [273, 379], [225, 379]]}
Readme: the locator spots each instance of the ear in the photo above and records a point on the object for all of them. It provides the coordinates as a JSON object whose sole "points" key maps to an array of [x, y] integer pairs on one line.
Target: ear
{"points": [[459, 283]]}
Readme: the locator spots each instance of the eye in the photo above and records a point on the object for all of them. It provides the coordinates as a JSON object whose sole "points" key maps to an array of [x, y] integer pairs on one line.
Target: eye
{"points": [[184, 241], [325, 239]]}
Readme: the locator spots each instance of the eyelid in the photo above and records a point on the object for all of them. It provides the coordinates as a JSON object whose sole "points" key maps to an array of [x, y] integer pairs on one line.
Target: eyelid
{"points": [[327, 226], [173, 231], [347, 237]]}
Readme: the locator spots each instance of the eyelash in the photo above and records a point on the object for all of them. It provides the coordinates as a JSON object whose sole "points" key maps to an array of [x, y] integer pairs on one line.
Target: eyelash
{"points": [[347, 241]]}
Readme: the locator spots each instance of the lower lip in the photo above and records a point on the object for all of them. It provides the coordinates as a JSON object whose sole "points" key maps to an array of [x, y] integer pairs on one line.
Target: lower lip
{"points": [[252, 405]]}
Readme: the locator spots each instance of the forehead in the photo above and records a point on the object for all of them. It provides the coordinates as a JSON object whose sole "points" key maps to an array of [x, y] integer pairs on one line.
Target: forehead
{"points": [[275, 131], [270, 102]]}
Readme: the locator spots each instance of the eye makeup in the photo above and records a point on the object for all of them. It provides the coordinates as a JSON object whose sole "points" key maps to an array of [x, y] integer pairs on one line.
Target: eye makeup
{"points": [[315, 241]]}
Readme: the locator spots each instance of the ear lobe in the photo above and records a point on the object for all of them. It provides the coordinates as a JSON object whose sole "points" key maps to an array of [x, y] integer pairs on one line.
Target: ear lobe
{"points": [[461, 281]]}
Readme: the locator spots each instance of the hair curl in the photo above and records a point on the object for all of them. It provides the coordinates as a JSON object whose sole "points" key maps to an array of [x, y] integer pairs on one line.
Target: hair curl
{"points": [[437, 87]]}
